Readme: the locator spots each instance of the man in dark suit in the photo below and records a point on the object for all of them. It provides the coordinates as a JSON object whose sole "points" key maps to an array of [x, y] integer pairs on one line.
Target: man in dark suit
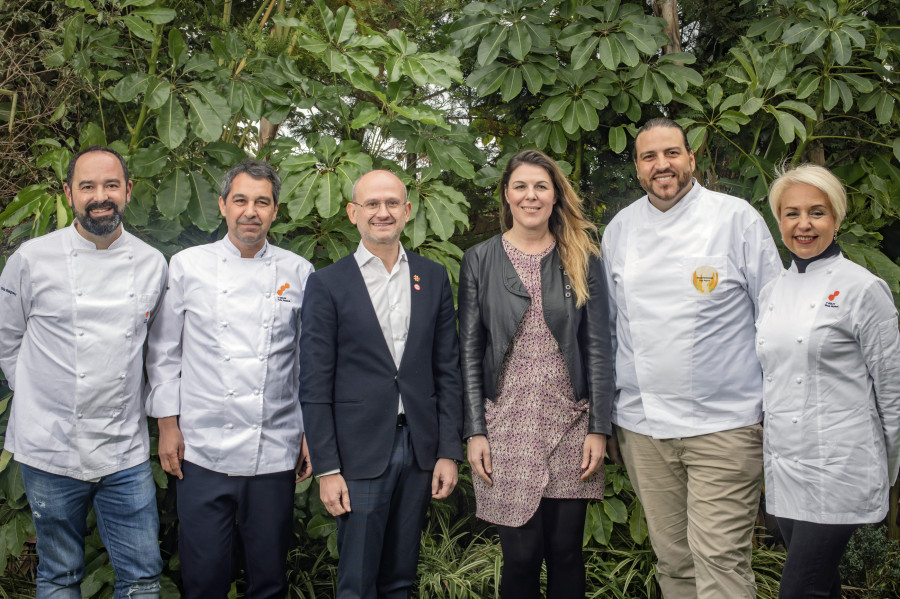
{"points": [[381, 393]]}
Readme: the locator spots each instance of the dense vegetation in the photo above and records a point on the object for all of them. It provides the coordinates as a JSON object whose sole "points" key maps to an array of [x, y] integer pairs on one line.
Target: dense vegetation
{"points": [[441, 92]]}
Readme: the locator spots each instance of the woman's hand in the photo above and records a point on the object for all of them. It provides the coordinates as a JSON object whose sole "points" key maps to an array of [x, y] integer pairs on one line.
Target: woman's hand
{"points": [[594, 450], [479, 454]]}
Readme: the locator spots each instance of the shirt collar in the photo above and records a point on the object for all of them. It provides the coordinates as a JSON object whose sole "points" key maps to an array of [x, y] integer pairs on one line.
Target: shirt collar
{"points": [[232, 249], [83, 243], [364, 256]]}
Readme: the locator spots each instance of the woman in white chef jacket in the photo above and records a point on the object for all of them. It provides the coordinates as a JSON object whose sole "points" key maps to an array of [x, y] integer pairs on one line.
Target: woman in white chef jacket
{"points": [[829, 346]]}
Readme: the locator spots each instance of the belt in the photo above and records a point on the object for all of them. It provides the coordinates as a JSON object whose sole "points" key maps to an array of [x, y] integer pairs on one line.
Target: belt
{"points": [[401, 420]]}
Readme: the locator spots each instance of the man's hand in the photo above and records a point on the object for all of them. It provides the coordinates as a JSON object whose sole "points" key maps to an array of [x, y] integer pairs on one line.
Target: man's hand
{"points": [[444, 479], [479, 454], [304, 467], [171, 445], [612, 449], [594, 449], [334, 494]]}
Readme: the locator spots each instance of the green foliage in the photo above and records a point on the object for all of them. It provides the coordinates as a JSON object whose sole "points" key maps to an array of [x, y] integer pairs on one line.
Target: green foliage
{"points": [[871, 564]]}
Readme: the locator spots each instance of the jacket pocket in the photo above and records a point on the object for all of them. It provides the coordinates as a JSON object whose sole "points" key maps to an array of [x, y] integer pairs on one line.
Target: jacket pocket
{"points": [[703, 277]]}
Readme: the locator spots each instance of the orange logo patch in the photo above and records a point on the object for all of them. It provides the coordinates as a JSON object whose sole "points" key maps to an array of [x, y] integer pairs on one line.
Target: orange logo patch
{"points": [[834, 295], [283, 288]]}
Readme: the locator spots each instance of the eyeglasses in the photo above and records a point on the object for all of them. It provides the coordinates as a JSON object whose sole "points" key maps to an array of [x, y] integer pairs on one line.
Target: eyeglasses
{"points": [[373, 206]]}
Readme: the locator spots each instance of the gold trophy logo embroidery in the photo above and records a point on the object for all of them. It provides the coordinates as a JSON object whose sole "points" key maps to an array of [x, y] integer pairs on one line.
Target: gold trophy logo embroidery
{"points": [[705, 279]]}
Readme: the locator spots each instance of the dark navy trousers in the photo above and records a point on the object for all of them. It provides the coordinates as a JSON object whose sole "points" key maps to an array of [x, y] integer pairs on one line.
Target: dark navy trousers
{"points": [[379, 540], [213, 508]]}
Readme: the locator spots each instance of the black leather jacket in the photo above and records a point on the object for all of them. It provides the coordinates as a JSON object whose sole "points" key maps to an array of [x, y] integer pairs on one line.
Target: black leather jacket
{"points": [[492, 303]]}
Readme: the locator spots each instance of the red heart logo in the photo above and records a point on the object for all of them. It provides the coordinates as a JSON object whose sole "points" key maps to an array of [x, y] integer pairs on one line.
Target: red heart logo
{"points": [[834, 295]]}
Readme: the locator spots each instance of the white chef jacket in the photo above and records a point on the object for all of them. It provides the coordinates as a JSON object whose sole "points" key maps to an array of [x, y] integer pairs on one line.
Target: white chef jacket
{"points": [[73, 320], [830, 350], [683, 287], [224, 355]]}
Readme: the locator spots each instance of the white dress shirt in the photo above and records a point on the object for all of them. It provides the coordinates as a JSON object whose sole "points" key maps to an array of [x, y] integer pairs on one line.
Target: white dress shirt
{"points": [[224, 356], [683, 287], [830, 351], [391, 296], [73, 320]]}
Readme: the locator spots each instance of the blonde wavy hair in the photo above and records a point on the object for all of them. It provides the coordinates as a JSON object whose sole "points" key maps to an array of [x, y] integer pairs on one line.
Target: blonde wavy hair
{"points": [[575, 235]]}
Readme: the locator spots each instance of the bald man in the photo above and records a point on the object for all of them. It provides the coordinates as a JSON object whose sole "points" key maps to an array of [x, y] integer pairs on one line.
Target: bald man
{"points": [[383, 404]]}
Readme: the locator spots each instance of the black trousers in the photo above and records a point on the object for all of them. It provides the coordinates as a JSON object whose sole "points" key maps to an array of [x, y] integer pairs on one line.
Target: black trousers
{"points": [[814, 553], [553, 534], [212, 509]]}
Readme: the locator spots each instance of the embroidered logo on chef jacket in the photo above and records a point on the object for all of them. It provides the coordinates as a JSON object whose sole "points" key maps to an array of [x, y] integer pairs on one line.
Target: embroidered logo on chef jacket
{"points": [[705, 279], [280, 293], [831, 297]]}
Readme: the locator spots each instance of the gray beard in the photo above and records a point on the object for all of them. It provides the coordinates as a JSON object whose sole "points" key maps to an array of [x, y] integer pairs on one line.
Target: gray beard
{"points": [[101, 227]]}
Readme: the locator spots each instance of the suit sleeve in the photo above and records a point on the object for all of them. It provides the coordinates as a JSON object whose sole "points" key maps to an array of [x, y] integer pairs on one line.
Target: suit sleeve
{"points": [[164, 348], [472, 348], [879, 340], [15, 300], [447, 380], [318, 364], [597, 355]]}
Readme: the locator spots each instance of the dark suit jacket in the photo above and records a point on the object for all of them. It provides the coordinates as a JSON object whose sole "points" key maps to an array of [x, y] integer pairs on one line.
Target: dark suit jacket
{"points": [[349, 385]]}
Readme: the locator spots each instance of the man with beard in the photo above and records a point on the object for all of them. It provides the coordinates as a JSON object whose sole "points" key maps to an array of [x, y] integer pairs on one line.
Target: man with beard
{"points": [[685, 267], [383, 402], [223, 365], [74, 309]]}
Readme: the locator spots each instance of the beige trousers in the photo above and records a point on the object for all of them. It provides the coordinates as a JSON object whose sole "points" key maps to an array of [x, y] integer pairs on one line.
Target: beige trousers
{"points": [[701, 496]]}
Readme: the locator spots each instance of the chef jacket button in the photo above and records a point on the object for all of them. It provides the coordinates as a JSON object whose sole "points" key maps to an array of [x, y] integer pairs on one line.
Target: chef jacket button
{"points": [[74, 254], [268, 294], [224, 291], [799, 379], [261, 358], [762, 342], [127, 333], [227, 358], [229, 425], [80, 415], [131, 294], [828, 271], [131, 256], [81, 374], [256, 392], [224, 259], [769, 378], [799, 339], [813, 305], [794, 419], [78, 293], [122, 376], [775, 456], [81, 333], [796, 459], [224, 323], [231, 392], [265, 325], [255, 426]]}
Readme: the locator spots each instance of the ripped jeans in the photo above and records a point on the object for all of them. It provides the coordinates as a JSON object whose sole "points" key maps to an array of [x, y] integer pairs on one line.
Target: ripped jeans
{"points": [[125, 506]]}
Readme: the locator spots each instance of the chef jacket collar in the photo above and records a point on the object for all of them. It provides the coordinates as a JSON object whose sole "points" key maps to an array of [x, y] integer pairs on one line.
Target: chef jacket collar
{"points": [[680, 205], [821, 262], [232, 249], [81, 242], [364, 256], [803, 263]]}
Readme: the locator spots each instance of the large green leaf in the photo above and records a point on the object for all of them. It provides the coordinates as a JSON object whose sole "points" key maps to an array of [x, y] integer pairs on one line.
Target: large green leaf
{"points": [[328, 195], [602, 527], [299, 192], [490, 46], [884, 108], [519, 42], [214, 99], [157, 92], [442, 208], [637, 524], [128, 88], [615, 509], [205, 123], [617, 139], [148, 162], [157, 16], [203, 208], [177, 49], [138, 27], [512, 84], [171, 124], [174, 194]]}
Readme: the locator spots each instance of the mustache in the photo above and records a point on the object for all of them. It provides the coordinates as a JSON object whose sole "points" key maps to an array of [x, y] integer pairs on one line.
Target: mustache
{"points": [[104, 205], [249, 221]]}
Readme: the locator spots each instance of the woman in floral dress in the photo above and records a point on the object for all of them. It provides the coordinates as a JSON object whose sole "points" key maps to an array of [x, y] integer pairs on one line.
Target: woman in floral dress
{"points": [[538, 376]]}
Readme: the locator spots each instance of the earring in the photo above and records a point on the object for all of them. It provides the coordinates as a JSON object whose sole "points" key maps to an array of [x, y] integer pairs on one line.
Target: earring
{"points": [[835, 234]]}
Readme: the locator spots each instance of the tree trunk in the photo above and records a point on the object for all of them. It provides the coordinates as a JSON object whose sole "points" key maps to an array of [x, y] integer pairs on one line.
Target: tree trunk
{"points": [[668, 10], [267, 132]]}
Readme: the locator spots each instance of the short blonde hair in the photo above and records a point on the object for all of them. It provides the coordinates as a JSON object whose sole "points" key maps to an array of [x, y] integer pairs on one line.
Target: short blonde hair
{"points": [[819, 177]]}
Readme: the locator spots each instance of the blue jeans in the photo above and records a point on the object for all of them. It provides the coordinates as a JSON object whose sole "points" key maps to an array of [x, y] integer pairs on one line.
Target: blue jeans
{"points": [[125, 505]]}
